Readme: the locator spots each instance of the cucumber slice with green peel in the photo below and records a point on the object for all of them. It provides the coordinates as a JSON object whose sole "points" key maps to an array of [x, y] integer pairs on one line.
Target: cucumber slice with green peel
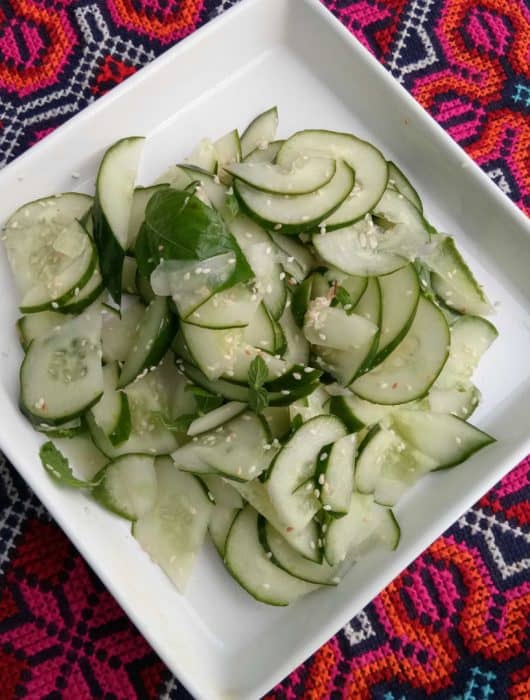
{"points": [[310, 406], [143, 286], [297, 352], [127, 486], [400, 294], [203, 156], [112, 208], [266, 154], [84, 457], [471, 336], [350, 250], [219, 526], [295, 258], [265, 333], [331, 327], [344, 535], [210, 185], [149, 400], [278, 420], [224, 493], [334, 475], [296, 213], [304, 541], [354, 285], [411, 369], [172, 532], [32, 230], [61, 374], [214, 351], [118, 332], [35, 326], [283, 555], [294, 464], [461, 399], [356, 413], [128, 278], [156, 330], [371, 171], [71, 429], [453, 281], [261, 254], [228, 151], [339, 406], [215, 418], [260, 132], [140, 199], [397, 179], [111, 413], [190, 283], [85, 296], [402, 229], [447, 439], [346, 365], [238, 449], [304, 176], [387, 466], [230, 308], [250, 566]]}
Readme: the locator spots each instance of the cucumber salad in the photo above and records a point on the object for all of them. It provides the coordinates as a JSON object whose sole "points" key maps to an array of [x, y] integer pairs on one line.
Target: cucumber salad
{"points": [[268, 346]]}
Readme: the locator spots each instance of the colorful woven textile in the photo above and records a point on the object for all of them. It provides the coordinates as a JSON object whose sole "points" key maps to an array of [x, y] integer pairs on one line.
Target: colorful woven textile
{"points": [[456, 624]]}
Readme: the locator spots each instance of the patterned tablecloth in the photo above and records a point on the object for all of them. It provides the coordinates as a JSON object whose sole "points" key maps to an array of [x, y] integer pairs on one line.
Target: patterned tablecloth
{"points": [[456, 623]]}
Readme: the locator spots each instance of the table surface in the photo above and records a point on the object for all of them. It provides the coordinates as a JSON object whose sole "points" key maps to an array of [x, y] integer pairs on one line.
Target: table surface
{"points": [[456, 623]]}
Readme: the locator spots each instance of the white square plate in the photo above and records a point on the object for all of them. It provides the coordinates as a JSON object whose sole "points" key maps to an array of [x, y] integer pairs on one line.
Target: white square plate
{"points": [[217, 640]]}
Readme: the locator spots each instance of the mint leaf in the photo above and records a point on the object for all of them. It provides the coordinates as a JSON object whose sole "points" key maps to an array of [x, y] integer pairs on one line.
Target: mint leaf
{"points": [[343, 297], [59, 468], [184, 228], [257, 376], [206, 401], [257, 372]]}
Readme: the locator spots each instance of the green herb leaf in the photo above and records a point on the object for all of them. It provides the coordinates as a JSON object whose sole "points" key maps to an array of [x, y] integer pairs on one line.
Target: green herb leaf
{"points": [[258, 399], [343, 297], [59, 468], [184, 228], [179, 425], [206, 401], [257, 376]]}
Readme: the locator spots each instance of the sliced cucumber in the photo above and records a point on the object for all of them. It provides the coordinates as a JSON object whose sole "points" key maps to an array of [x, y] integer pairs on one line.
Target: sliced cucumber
{"points": [[471, 336], [140, 199], [237, 449], [224, 493], [228, 151], [295, 258], [335, 475], [204, 156], [331, 327], [173, 531], [295, 464], [61, 373], [371, 171], [84, 457], [304, 176], [156, 330], [265, 333], [111, 413], [73, 428], [410, 370], [310, 406], [261, 254], [175, 177], [215, 418], [345, 365], [214, 351], [461, 399], [149, 401], [260, 132], [353, 284], [397, 179], [296, 213], [128, 278], [128, 486], [35, 326], [447, 439], [345, 536], [219, 526], [387, 466], [278, 420], [230, 308], [191, 282], [283, 555], [453, 281], [356, 413], [112, 208], [119, 331], [248, 563], [264, 155], [32, 231], [400, 293], [87, 295], [209, 185]]}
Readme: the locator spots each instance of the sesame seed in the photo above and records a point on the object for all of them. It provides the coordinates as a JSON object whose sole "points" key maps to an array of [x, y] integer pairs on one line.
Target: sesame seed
{"points": [[323, 456], [327, 508]]}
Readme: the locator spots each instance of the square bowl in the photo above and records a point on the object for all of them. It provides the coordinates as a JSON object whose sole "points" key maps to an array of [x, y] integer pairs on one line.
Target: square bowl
{"points": [[260, 53]]}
